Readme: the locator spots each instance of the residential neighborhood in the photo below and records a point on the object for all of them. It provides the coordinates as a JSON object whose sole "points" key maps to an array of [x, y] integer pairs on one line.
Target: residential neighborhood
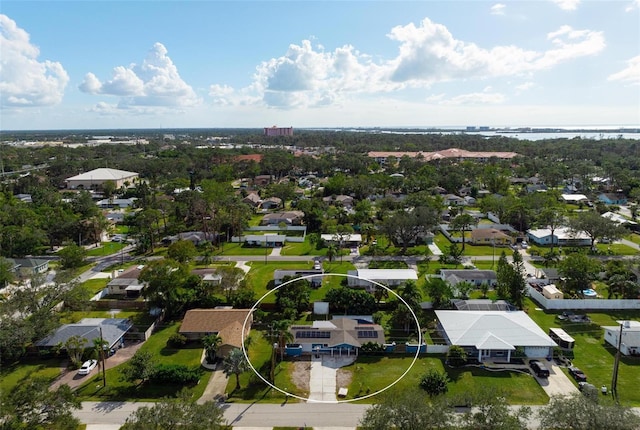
{"points": [[311, 276]]}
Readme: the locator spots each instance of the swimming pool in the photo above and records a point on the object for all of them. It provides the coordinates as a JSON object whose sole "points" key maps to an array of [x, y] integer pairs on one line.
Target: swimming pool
{"points": [[589, 292]]}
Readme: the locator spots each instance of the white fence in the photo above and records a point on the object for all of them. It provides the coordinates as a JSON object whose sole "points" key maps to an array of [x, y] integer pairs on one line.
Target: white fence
{"points": [[561, 304], [437, 349]]}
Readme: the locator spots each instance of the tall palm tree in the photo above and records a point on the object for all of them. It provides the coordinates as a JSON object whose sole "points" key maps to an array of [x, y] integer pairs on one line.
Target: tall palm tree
{"points": [[211, 344], [235, 364]]}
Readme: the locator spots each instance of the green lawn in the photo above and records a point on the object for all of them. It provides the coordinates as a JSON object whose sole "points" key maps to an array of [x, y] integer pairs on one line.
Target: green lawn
{"points": [[117, 390], [12, 374], [260, 277], [106, 248], [238, 249], [634, 237], [95, 285], [616, 249], [592, 354], [141, 318], [300, 248], [371, 374]]}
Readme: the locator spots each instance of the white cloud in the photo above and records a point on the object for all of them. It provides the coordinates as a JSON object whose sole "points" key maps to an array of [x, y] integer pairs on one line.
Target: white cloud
{"points": [[635, 4], [567, 4], [630, 74], [498, 9], [25, 81], [155, 82], [524, 87], [486, 97]]}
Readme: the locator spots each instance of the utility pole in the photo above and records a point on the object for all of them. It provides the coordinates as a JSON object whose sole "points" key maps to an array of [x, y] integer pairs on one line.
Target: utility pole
{"points": [[616, 363]]}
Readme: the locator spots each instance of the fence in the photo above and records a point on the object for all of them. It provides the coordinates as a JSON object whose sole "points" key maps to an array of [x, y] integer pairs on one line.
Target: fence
{"points": [[573, 304]]}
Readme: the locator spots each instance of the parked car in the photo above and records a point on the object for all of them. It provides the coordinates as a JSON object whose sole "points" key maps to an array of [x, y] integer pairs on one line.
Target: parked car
{"points": [[583, 386], [87, 367], [577, 374], [539, 368]]}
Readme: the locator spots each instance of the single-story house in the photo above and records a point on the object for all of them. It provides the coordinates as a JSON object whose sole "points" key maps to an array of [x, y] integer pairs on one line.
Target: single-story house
{"points": [[27, 267], [630, 344], [482, 305], [262, 180], [96, 178], [490, 236], [226, 323], [453, 200], [265, 240], [252, 200], [494, 334], [113, 331], [561, 236], [126, 283], [116, 203], [351, 240], [271, 203], [341, 335], [195, 237], [115, 217], [286, 217], [341, 199], [208, 276], [388, 277], [473, 276], [620, 220], [469, 200], [613, 198], [574, 198], [552, 292], [25, 198], [280, 274]]}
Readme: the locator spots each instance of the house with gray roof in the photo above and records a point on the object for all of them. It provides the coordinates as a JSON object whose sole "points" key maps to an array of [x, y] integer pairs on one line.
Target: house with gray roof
{"points": [[475, 277], [111, 330]]}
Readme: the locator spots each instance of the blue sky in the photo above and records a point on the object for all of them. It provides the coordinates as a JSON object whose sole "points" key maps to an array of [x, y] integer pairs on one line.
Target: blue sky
{"points": [[149, 64]]}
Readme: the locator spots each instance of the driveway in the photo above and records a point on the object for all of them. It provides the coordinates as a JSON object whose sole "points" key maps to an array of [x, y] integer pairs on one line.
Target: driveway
{"points": [[558, 383], [322, 380], [73, 380]]}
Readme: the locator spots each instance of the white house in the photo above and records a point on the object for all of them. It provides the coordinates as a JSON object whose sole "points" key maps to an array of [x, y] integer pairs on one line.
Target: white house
{"points": [[280, 274], [494, 334], [630, 344], [340, 336], [562, 236], [574, 198], [475, 277], [97, 177], [388, 277], [348, 240]]}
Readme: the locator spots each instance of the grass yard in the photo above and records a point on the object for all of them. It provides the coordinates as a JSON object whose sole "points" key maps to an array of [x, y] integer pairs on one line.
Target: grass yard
{"points": [[95, 285], [260, 277], [616, 249], [141, 318], [592, 354], [117, 390], [238, 249], [12, 374], [106, 248], [300, 248]]}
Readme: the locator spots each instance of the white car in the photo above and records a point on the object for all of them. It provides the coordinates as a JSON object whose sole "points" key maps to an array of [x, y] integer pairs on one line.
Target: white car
{"points": [[524, 245], [87, 367]]}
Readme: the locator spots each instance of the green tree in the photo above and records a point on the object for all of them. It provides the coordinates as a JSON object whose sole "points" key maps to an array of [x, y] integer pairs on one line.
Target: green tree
{"points": [[170, 286], [211, 344], [32, 405], [6, 272], [75, 347], [579, 412], [579, 270], [439, 292], [552, 218], [456, 356], [463, 223], [294, 295], [490, 411], [452, 255], [180, 413], [72, 256], [182, 251], [595, 226], [434, 382], [141, 367], [234, 364]]}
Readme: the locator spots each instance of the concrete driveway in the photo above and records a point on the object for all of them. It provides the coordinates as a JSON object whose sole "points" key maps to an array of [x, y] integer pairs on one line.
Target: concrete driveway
{"points": [[73, 380], [322, 380], [558, 383]]}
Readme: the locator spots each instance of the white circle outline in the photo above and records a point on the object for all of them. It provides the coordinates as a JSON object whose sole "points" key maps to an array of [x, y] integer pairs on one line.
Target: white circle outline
{"points": [[286, 393]]}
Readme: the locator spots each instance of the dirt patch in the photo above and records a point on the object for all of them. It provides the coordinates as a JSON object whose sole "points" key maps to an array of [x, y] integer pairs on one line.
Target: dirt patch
{"points": [[343, 378], [301, 375]]}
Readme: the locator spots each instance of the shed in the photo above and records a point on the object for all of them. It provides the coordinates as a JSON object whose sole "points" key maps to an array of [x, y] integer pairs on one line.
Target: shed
{"points": [[552, 292]]}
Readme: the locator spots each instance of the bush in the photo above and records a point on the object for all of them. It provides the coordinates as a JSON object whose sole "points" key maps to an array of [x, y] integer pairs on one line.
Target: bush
{"points": [[456, 356], [177, 340], [434, 382], [369, 347], [176, 374]]}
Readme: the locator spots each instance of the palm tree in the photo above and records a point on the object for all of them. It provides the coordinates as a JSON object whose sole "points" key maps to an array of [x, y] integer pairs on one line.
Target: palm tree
{"points": [[462, 223], [331, 251], [235, 364], [211, 344], [284, 335]]}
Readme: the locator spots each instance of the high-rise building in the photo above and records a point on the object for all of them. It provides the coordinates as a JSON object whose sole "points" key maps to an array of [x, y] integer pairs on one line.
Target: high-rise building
{"points": [[278, 131]]}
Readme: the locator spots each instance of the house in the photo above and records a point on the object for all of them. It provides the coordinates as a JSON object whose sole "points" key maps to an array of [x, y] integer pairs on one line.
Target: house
{"points": [[453, 200], [126, 283], [280, 274], [613, 198], [562, 236], [226, 323], [28, 267], [620, 220], [469, 201], [475, 277], [552, 292], [490, 236], [286, 217], [111, 330], [98, 177], [25, 198], [482, 305], [339, 200], [195, 237], [271, 203], [388, 277], [252, 199], [262, 180], [574, 198], [487, 335], [339, 336], [350, 240], [116, 203], [630, 343], [208, 276], [265, 240]]}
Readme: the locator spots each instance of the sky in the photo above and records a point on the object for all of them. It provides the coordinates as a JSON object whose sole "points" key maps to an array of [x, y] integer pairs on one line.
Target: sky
{"points": [[224, 64]]}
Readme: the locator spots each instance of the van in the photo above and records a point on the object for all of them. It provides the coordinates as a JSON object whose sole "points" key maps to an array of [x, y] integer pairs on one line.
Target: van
{"points": [[539, 369]]}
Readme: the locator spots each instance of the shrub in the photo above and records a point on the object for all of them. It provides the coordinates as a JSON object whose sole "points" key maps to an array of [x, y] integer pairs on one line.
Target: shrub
{"points": [[369, 347], [176, 374], [177, 340], [456, 356], [434, 382]]}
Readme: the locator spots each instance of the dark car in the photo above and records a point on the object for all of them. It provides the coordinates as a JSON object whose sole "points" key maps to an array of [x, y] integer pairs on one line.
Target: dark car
{"points": [[539, 368], [577, 374]]}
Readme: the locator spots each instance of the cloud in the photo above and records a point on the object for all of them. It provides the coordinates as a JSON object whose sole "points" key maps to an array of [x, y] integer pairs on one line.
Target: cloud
{"points": [[155, 82], [486, 97], [635, 4], [567, 4], [630, 74], [498, 9], [524, 87], [25, 81]]}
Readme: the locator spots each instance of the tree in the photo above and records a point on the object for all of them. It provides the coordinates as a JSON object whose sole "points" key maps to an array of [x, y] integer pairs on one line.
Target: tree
{"points": [[72, 256], [180, 413], [579, 412], [463, 223], [170, 286], [332, 250], [452, 255], [404, 228], [579, 270], [75, 348], [182, 251], [6, 272], [595, 226], [294, 295], [351, 301], [552, 217], [31, 405], [439, 292], [456, 356], [490, 411], [211, 344], [434, 382], [235, 364], [140, 367], [409, 409], [517, 283]]}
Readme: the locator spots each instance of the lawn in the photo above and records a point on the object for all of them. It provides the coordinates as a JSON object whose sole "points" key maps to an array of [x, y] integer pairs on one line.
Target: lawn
{"points": [[12, 374], [106, 248], [238, 249], [95, 285], [592, 354], [141, 318], [260, 277], [371, 374], [300, 248], [117, 390]]}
